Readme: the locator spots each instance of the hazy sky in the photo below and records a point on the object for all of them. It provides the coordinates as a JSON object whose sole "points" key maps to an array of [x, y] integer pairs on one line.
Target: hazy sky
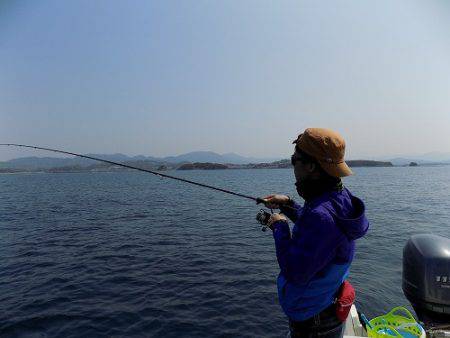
{"points": [[167, 77]]}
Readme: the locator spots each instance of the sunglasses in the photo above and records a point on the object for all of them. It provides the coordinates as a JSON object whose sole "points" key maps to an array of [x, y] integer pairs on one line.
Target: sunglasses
{"points": [[296, 158]]}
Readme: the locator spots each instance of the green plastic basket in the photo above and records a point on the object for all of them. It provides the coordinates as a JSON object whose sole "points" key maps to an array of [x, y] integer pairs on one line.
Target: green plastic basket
{"points": [[399, 322]]}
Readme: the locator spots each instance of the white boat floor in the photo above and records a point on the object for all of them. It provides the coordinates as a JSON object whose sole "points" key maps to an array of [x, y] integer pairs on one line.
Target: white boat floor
{"points": [[353, 327]]}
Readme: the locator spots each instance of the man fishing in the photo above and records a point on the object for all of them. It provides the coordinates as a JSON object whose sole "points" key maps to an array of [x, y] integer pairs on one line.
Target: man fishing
{"points": [[315, 259]]}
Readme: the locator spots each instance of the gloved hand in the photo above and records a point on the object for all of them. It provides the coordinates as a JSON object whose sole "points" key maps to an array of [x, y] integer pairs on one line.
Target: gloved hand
{"points": [[274, 201]]}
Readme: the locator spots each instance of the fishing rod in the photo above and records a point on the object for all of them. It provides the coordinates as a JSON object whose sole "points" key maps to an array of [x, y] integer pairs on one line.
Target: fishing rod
{"points": [[256, 199]]}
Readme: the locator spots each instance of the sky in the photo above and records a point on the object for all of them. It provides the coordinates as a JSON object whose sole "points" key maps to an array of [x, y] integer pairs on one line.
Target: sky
{"points": [[168, 77]]}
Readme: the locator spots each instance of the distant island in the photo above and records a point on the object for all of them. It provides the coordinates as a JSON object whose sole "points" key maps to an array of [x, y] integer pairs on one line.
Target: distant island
{"points": [[196, 160], [202, 166], [102, 167], [367, 163], [77, 165], [274, 165]]}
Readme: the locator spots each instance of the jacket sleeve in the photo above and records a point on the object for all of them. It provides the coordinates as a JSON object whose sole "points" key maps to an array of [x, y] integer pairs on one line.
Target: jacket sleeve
{"points": [[301, 257], [291, 211]]}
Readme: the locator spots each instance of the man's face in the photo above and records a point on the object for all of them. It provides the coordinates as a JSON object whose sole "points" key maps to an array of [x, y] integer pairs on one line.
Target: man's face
{"points": [[302, 170]]}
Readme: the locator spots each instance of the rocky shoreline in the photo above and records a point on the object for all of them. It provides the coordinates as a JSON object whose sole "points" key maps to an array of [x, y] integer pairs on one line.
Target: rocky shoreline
{"points": [[101, 167]]}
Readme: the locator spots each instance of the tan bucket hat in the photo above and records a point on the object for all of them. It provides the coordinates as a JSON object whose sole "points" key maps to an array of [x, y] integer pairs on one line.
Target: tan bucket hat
{"points": [[327, 147]]}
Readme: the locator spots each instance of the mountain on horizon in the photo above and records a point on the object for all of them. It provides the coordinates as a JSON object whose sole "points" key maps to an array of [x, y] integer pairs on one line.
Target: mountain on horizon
{"points": [[34, 162], [426, 158], [210, 156]]}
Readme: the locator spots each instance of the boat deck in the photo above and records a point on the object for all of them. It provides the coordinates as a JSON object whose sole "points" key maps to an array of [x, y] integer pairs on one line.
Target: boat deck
{"points": [[353, 327]]}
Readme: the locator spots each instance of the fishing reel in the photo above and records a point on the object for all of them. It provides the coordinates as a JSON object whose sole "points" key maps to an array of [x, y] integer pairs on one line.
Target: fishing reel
{"points": [[263, 218]]}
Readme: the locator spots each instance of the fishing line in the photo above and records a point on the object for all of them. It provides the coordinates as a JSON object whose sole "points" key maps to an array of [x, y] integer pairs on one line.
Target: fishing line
{"points": [[256, 199]]}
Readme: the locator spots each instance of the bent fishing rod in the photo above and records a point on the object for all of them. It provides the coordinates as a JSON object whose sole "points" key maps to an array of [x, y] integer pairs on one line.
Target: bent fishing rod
{"points": [[256, 199]]}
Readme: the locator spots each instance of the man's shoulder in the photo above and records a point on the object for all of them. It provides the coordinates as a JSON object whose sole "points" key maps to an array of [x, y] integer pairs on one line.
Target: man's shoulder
{"points": [[318, 213], [328, 205], [330, 200]]}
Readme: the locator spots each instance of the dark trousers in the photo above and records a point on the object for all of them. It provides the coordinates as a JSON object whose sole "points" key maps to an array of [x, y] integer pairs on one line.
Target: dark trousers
{"points": [[324, 324]]}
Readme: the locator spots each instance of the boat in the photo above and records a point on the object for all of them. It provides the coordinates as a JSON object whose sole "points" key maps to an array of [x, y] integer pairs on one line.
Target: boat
{"points": [[425, 283]]}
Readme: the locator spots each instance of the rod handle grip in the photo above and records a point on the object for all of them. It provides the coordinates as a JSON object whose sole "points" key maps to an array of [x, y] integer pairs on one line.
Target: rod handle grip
{"points": [[259, 200]]}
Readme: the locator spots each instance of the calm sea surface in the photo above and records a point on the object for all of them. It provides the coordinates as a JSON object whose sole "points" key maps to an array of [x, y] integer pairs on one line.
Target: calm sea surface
{"points": [[130, 254]]}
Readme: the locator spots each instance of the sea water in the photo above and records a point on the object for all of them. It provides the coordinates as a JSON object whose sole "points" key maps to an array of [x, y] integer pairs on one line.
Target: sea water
{"points": [[130, 254]]}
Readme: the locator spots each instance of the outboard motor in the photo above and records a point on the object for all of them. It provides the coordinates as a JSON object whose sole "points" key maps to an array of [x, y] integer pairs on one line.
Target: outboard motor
{"points": [[426, 278]]}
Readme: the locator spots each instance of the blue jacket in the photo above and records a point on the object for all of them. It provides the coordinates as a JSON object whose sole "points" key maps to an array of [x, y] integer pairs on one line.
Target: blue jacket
{"points": [[315, 259]]}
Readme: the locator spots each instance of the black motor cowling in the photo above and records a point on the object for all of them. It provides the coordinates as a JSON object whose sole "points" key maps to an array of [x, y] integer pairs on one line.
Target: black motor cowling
{"points": [[426, 276]]}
